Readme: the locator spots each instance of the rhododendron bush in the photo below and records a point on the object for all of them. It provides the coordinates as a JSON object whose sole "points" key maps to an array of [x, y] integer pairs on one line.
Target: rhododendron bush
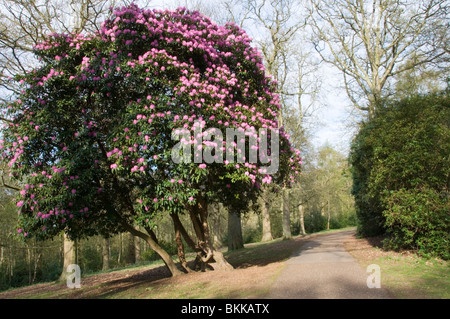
{"points": [[90, 138]]}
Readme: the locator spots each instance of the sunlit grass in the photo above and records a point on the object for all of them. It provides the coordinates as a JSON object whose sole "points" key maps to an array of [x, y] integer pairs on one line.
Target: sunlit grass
{"points": [[415, 277], [407, 275]]}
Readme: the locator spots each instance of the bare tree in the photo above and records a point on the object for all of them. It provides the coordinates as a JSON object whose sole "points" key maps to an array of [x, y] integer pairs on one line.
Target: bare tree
{"points": [[279, 26], [24, 23], [282, 24], [370, 42]]}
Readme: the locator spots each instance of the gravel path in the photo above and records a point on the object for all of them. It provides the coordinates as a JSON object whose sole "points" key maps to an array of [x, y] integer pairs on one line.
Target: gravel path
{"points": [[323, 269]]}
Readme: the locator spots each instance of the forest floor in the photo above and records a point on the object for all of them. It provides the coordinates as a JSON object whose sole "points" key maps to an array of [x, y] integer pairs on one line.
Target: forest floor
{"points": [[257, 266]]}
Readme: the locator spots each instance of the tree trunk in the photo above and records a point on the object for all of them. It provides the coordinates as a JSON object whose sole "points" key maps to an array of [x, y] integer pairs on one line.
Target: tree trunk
{"points": [[216, 216], [37, 259], [207, 254], [302, 219], [164, 256], [105, 253], [265, 216], [69, 256], [28, 257], [286, 214], [130, 254], [149, 238], [183, 232], [137, 249], [180, 250], [11, 263], [179, 242], [328, 217], [119, 255], [235, 239]]}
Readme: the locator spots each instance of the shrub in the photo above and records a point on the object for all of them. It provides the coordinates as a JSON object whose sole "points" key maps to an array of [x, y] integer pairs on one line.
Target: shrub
{"points": [[418, 219], [400, 164], [252, 235], [315, 221]]}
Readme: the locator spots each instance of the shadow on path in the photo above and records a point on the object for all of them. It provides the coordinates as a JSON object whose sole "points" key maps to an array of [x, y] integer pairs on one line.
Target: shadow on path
{"points": [[323, 269]]}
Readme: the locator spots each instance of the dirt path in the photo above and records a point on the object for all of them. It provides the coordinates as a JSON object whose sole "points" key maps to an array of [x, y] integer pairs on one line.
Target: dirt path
{"points": [[323, 269]]}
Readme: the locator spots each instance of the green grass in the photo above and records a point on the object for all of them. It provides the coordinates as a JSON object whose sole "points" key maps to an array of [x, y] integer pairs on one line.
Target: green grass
{"points": [[414, 277], [407, 275]]}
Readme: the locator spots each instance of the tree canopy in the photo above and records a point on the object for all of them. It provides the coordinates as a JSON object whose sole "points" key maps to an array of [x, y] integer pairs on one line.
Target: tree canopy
{"points": [[90, 136]]}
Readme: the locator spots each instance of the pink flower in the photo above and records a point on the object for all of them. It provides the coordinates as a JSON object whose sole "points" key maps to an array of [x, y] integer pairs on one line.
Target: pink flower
{"points": [[191, 199], [180, 181], [202, 165], [172, 181], [113, 166], [19, 204], [74, 191]]}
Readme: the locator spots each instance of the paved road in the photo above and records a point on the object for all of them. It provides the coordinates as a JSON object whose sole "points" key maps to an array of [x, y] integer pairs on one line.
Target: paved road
{"points": [[323, 269]]}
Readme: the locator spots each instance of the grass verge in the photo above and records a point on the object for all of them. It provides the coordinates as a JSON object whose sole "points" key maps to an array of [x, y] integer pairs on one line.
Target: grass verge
{"points": [[405, 274]]}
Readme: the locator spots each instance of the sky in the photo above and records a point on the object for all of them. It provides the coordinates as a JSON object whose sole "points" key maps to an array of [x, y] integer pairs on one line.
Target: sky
{"points": [[334, 129]]}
